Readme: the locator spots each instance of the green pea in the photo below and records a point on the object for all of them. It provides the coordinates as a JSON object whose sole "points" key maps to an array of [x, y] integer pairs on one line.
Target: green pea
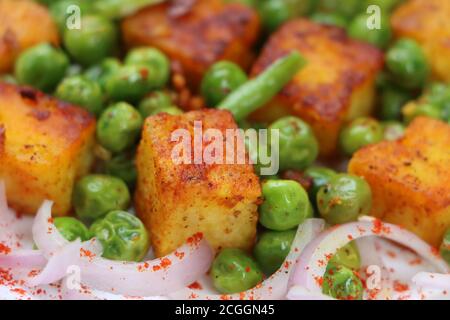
{"points": [[122, 166], [72, 229], [347, 256], [234, 271], [272, 248], [342, 283], [298, 147], [285, 206], [392, 101], [438, 94], [412, 111], [407, 63], [274, 13], [61, 11], [157, 63], [344, 198], [101, 72], [118, 127], [445, 247], [122, 235], [379, 37], [220, 80], [73, 70], [360, 133], [96, 40], [41, 66], [154, 101], [320, 176], [329, 18], [95, 195], [129, 83], [345, 8], [82, 92], [393, 130]]}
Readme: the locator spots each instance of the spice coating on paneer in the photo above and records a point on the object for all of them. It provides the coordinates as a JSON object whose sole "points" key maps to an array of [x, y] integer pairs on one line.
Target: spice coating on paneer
{"points": [[207, 32], [410, 178], [177, 200], [23, 24], [427, 22], [45, 145], [335, 86]]}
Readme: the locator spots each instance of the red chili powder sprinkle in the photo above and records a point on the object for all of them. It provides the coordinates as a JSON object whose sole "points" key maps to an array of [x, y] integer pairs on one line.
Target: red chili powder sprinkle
{"points": [[415, 262], [19, 291], [50, 220], [435, 251], [286, 264], [179, 255], [319, 280], [156, 268], [195, 239], [4, 249], [242, 296], [349, 237], [33, 273], [86, 253], [165, 262], [247, 269], [193, 296], [377, 225], [224, 297], [392, 254], [400, 287], [320, 263], [195, 285]]}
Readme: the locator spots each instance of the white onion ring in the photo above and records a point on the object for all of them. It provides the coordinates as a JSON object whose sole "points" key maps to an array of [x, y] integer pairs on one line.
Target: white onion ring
{"points": [[432, 280], [301, 293], [314, 259], [276, 286], [23, 259]]}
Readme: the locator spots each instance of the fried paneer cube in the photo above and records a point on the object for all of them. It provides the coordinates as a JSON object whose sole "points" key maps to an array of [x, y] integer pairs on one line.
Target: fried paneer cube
{"points": [[208, 31], [427, 22], [44, 146], [23, 24], [176, 200], [410, 178], [335, 86]]}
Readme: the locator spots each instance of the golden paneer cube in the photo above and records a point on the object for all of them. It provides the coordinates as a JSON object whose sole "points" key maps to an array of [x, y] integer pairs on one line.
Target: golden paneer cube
{"points": [[196, 35], [178, 199], [410, 178], [427, 22], [23, 24], [44, 146], [335, 86]]}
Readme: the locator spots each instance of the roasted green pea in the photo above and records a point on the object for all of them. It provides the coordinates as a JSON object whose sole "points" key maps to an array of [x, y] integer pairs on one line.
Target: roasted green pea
{"points": [[154, 101], [96, 40], [347, 256], [41, 66], [101, 72], [220, 80], [320, 176], [378, 37], [407, 63], [122, 166], [342, 283], [122, 235], [82, 92], [285, 206], [329, 18], [410, 112], [72, 229], [393, 130], [156, 62], [234, 271], [95, 195], [360, 133], [118, 127], [344, 198], [129, 83], [392, 101], [272, 248], [438, 94], [298, 147], [445, 247]]}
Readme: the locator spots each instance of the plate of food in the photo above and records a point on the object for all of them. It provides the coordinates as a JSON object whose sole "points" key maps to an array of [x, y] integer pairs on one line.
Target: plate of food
{"points": [[224, 150]]}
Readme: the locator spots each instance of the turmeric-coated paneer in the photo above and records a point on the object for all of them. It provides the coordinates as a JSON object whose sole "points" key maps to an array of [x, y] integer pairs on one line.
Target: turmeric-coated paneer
{"points": [[178, 198], [23, 24], [410, 178], [335, 86], [196, 33], [427, 22], [44, 146]]}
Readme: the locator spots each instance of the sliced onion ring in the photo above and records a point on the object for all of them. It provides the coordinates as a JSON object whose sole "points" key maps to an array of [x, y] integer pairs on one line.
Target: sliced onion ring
{"points": [[276, 286], [314, 259], [432, 280], [23, 259]]}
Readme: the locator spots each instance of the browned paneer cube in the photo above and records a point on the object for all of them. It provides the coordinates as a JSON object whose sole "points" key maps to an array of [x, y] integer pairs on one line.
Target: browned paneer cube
{"points": [[45, 145], [176, 200], [23, 24], [410, 178], [335, 86], [196, 36], [427, 22]]}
